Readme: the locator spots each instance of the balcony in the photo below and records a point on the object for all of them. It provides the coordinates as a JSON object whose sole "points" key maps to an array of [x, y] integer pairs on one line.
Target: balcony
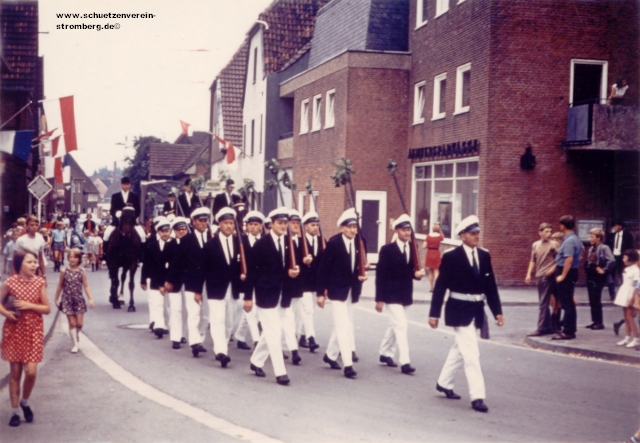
{"points": [[603, 127]]}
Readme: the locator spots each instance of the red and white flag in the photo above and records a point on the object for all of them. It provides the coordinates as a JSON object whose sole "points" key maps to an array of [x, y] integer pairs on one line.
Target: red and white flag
{"points": [[231, 150], [60, 115], [50, 157], [185, 127]]}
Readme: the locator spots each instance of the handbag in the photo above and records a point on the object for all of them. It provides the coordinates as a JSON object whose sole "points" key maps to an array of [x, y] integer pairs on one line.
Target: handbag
{"points": [[7, 303]]}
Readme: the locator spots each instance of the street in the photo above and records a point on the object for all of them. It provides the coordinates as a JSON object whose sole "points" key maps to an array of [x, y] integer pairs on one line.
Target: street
{"points": [[126, 385]]}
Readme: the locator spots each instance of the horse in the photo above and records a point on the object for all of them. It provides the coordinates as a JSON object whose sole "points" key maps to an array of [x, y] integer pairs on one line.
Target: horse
{"points": [[123, 251]]}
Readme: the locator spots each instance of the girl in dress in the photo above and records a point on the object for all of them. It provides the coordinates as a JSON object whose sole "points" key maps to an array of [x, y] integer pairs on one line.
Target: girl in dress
{"points": [[432, 245], [72, 304], [59, 237], [23, 331], [624, 297]]}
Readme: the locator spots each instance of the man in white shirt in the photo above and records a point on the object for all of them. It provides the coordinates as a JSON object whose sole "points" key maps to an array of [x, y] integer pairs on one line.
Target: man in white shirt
{"points": [[34, 242]]}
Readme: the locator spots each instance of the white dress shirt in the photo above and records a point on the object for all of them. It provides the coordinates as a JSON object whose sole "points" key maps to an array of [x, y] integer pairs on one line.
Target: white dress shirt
{"points": [[617, 243], [253, 239], [349, 244], [470, 253], [279, 241], [227, 246], [125, 196], [404, 249], [313, 239]]}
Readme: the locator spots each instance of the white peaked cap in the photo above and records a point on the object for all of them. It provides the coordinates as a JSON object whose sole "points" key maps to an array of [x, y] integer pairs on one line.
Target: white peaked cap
{"points": [[348, 217], [469, 224], [404, 221]]}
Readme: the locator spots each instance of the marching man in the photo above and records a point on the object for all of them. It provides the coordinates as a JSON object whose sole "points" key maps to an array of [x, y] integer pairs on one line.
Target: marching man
{"points": [[180, 226], [467, 273], [309, 274], [339, 281], [394, 293]]}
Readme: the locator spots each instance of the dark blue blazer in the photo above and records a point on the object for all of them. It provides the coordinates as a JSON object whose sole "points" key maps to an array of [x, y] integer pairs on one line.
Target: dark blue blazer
{"points": [[186, 266], [293, 286], [335, 275], [457, 275], [267, 275], [117, 203], [217, 273], [155, 262], [309, 274], [394, 276]]}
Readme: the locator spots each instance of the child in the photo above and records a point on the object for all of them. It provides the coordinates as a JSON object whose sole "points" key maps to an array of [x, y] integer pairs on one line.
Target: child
{"points": [[59, 245], [22, 336], [9, 249], [72, 279], [624, 297], [85, 248]]}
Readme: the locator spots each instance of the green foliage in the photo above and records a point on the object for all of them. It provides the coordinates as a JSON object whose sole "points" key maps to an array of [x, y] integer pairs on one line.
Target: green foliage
{"points": [[247, 188], [138, 167], [343, 172], [273, 166]]}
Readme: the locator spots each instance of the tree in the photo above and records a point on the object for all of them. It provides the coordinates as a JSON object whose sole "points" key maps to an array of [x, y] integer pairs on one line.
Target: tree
{"points": [[138, 166]]}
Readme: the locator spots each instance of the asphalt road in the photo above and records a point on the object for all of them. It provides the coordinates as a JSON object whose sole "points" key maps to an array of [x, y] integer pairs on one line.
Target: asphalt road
{"points": [[160, 394]]}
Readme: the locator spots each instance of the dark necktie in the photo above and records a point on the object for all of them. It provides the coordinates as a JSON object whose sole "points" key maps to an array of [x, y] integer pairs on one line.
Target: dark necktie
{"points": [[202, 239], [618, 237], [280, 250], [351, 257], [476, 269], [313, 246], [404, 251], [229, 252]]}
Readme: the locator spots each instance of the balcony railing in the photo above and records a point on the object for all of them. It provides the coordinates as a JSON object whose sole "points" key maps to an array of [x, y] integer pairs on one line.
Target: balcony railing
{"points": [[603, 127]]}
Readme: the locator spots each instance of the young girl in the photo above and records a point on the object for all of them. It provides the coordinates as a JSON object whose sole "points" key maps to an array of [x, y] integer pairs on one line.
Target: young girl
{"points": [[23, 334], [58, 246], [624, 297], [72, 279], [93, 248]]}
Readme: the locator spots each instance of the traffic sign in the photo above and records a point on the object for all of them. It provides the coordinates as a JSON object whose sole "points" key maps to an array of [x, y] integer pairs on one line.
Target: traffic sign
{"points": [[40, 187]]}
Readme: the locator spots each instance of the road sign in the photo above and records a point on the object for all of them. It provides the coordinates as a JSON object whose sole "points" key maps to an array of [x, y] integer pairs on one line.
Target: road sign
{"points": [[39, 187]]}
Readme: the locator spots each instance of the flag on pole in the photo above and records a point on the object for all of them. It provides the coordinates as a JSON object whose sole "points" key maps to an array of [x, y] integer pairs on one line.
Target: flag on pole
{"points": [[50, 157], [63, 169], [185, 127], [16, 143], [61, 115], [231, 150]]}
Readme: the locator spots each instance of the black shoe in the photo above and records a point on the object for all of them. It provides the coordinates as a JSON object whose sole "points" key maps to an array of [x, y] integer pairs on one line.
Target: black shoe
{"points": [[282, 380], [590, 326], [15, 420], [479, 405], [295, 358], [196, 349], [599, 327], [407, 369], [535, 333], [243, 345], [223, 359], [159, 332], [354, 357], [175, 345], [313, 345], [448, 392], [151, 325], [334, 364], [303, 342], [28, 413], [349, 372], [563, 336], [259, 372], [388, 360], [183, 341], [617, 326]]}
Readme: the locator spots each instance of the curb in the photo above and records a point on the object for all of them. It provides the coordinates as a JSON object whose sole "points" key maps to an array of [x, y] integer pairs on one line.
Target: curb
{"points": [[5, 380], [610, 356], [503, 303]]}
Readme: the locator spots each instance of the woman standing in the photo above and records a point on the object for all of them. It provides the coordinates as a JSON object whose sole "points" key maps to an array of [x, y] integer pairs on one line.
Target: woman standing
{"points": [[23, 331], [432, 245]]}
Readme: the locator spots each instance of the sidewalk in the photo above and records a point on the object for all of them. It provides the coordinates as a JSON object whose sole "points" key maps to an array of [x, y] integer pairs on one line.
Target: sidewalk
{"points": [[593, 344]]}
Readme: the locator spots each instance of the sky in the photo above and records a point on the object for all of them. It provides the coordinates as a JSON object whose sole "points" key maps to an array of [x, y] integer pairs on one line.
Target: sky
{"points": [[144, 77]]}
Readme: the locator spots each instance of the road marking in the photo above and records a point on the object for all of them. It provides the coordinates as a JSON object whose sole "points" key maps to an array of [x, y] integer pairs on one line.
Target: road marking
{"points": [[496, 343], [126, 378]]}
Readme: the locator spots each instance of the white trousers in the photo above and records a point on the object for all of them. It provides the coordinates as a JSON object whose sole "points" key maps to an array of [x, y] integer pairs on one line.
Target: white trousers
{"points": [[194, 312], [156, 309], [221, 314], [464, 351], [289, 341], [342, 337], [304, 317], [395, 338], [176, 325], [248, 323], [270, 340]]}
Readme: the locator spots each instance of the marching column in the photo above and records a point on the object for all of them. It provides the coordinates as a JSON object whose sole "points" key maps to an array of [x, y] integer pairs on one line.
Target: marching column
{"points": [[394, 293], [467, 273]]}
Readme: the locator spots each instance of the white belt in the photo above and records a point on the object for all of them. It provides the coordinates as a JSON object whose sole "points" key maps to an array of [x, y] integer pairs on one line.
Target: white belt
{"points": [[467, 297]]}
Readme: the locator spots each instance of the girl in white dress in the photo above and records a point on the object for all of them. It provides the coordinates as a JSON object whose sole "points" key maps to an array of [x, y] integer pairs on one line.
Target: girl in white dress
{"points": [[624, 297]]}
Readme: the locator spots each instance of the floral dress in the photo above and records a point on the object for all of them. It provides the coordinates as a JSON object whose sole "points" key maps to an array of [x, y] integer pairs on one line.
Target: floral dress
{"points": [[72, 302], [23, 340]]}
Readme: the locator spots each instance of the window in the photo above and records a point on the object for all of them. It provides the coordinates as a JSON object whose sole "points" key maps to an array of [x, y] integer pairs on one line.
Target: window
{"points": [[463, 88], [439, 94], [421, 13], [255, 64], [253, 135], [244, 137], [260, 145], [442, 6], [317, 108], [304, 116], [418, 103], [588, 82], [444, 192], [330, 115]]}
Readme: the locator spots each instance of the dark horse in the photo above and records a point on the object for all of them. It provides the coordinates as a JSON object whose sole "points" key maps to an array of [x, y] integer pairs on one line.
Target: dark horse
{"points": [[123, 251]]}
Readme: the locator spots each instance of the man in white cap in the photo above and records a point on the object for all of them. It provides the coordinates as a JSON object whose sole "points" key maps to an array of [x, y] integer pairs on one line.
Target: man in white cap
{"points": [[180, 227], [268, 270], [221, 272], [156, 258], [187, 268], [394, 293], [309, 274], [467, 273], [249, 320], [339, 281]]}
